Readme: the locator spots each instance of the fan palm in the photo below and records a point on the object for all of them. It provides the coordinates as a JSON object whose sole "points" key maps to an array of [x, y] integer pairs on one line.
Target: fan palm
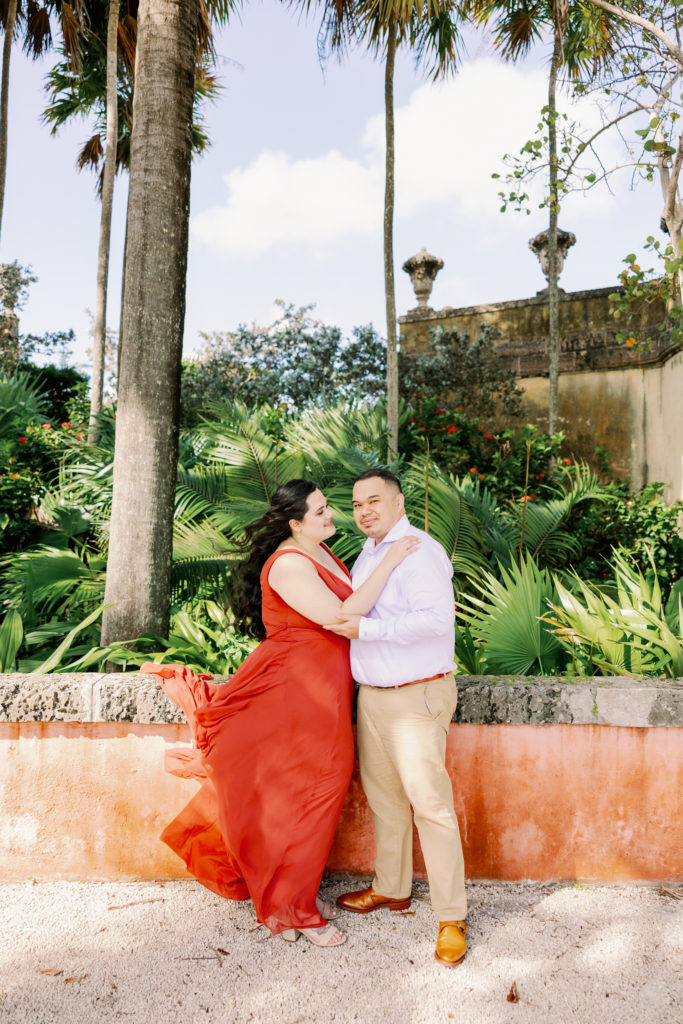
{"points": [[503, 627], [21, 403]]}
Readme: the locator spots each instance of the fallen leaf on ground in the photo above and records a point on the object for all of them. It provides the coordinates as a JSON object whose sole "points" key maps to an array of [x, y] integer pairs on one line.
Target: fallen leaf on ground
{"points": [[80, 977], [512, 996], [137, 903], [53, 970]]}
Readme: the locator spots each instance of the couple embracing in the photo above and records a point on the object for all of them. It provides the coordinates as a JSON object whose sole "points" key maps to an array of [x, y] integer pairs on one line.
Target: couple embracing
{"points": [[274, 746]]}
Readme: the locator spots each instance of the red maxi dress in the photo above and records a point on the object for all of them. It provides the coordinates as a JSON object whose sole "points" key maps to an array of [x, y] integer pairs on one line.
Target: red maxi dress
{"points": [[274, 754]]}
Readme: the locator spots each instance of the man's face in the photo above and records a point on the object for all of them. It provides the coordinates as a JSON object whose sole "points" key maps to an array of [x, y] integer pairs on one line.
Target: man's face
{"points": [[377, 507]]}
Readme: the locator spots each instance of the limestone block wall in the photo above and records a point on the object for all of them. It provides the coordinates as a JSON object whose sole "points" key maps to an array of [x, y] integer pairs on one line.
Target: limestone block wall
{"points": [[552, 779], [628, 401]]}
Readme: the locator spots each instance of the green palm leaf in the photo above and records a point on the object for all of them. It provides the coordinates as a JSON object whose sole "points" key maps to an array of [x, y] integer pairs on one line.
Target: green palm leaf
{"points": [[504, 618]]}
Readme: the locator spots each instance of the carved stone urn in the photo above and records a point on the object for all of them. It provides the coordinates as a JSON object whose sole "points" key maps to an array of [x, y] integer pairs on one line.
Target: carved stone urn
{"points": [[422, 270], [539, 246]]}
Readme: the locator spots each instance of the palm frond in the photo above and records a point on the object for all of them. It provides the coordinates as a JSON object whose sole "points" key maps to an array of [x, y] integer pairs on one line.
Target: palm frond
{"points": [[451, 521], [504, 617]]}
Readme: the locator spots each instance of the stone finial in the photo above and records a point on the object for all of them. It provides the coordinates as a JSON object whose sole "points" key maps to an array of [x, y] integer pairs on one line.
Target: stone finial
{"points": [[422, 270], [539, 246]]}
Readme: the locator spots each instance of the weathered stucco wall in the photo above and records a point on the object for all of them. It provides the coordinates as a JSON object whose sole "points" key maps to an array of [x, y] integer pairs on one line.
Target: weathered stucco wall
{"points": [[552, 780], [610, 395]]}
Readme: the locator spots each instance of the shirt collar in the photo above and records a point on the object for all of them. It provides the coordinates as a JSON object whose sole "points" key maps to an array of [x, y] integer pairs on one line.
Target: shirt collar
{"points": [[399, 529]]}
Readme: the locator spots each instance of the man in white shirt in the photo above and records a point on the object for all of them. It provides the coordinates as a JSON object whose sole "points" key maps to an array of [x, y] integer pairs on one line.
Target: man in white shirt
{"points": [[402, 657]]}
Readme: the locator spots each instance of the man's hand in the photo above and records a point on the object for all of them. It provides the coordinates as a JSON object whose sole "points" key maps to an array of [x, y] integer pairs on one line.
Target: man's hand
{"points": [[346, 625]]}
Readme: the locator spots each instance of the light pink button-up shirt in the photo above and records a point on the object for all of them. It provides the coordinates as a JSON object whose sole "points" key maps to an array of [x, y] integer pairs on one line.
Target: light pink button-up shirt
{"points": [[409, 634]]}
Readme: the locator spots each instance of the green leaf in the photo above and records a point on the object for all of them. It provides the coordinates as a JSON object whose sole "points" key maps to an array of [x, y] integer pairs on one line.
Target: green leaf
{"points": [[590, 177], [11, 635], [53, 661]]}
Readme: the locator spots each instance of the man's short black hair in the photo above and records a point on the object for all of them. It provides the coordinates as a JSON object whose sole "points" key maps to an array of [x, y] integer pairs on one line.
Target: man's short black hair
{"points": [[383, 474]]}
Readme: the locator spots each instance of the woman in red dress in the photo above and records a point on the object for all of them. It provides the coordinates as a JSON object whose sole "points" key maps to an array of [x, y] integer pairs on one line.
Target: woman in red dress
{"points": [[274, 747]]}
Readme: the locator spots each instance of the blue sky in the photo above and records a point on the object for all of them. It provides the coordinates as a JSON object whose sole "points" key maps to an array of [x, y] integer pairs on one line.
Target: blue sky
{"points": [[287, 203]]}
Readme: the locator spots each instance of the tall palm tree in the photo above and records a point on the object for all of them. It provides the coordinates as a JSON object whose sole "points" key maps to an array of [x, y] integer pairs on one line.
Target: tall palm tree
{"points": [[583, 40], [145, 460], [105, 87], [431, 29], [145, 455], [108, 173]]}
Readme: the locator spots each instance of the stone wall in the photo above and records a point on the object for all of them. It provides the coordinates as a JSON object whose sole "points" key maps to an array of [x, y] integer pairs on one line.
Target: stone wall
{"points": [[608, 394], [552, 779]]}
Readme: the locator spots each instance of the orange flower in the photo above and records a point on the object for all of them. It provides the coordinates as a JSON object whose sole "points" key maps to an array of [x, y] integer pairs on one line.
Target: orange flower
{"points": [[630, 342]]}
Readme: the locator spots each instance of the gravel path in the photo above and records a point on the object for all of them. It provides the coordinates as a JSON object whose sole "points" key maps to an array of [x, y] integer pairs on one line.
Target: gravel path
{"points": [[173, 953]]}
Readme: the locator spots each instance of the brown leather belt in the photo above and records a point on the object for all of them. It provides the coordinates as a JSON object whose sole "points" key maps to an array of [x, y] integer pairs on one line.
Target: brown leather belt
{"points": [[414, 682]]}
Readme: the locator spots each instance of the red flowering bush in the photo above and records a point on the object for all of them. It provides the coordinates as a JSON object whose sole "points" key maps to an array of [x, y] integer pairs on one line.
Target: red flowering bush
{"points": [[460, 446]]}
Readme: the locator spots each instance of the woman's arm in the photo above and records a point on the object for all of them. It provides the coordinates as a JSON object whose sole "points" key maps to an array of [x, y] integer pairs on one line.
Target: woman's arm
{"points": [[297, 582]]}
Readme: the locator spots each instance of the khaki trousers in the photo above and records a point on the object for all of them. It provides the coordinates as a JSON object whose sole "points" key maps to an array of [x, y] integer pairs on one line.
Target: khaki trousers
{"points": [[402, 751]]}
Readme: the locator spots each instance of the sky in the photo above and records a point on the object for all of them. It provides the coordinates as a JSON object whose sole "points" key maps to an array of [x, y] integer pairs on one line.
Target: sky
{"points": [[288, 201]]}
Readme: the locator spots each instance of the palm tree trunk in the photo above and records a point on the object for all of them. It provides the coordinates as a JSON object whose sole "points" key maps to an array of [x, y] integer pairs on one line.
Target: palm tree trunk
{"points": [[119, 347], [145, 457], [553, 296], [389, 288], [108, 174], [4, 92]]}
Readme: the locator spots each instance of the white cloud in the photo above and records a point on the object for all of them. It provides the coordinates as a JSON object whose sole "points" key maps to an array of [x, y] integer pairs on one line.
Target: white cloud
{"points": [[278, 199], [450, 137]]}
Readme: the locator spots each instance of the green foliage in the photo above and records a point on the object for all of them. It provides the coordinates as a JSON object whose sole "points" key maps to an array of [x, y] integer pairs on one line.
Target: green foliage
{"points": [[502, 630], [61, 388], [461, 446], [11, 635], [641, 289], [631, 632], [21, 405], [294, 362], [638, 523], [459, 371], [203, 646], [502, 537], [14, 285]]}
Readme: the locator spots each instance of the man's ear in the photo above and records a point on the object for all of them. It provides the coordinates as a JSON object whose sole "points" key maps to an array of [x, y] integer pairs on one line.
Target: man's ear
{"points": [[401, 501]]}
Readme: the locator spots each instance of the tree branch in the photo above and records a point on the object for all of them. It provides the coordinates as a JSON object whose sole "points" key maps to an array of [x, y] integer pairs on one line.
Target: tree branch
{"points": [[649, 26]]}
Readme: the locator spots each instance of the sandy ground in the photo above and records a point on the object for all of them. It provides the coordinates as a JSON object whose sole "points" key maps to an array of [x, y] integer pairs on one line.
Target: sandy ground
{"points": [[173, 952]]}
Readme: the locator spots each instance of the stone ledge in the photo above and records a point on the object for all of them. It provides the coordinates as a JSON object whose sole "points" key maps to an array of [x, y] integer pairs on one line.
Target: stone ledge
{"points": [[483, 700]]}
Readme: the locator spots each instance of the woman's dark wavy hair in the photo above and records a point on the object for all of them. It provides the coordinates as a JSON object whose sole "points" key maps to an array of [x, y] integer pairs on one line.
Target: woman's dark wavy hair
{"points": [[260, 540]]}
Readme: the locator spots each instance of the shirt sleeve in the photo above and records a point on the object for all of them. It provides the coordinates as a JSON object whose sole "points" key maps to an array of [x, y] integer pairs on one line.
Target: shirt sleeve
{"points": [[429, 600]]}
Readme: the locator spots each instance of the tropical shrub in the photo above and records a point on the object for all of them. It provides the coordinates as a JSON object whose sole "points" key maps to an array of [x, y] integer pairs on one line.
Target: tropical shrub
{"points": [[630, 631], [512, 463], [458, 371], [639, 523]]}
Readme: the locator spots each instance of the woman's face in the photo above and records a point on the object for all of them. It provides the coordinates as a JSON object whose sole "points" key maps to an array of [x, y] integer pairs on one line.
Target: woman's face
{"points": [[317, 523]]}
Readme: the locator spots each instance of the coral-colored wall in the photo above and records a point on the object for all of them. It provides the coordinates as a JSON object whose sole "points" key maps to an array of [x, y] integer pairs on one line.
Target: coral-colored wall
{"points": [[88, 801]]}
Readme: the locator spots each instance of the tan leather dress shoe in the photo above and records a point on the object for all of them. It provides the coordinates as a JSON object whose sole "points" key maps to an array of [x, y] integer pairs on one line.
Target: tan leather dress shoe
{"points": [[364, 900], [451, 944]]}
